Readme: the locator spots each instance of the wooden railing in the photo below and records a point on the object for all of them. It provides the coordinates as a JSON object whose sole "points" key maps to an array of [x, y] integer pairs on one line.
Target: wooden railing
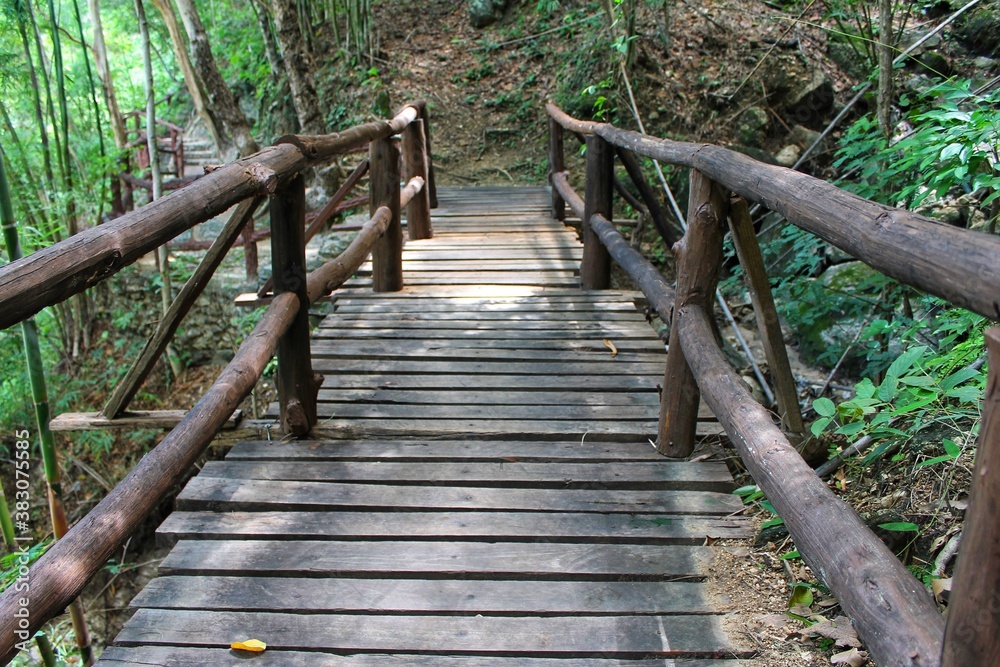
{"points": [[59, 271], [890, 608]]}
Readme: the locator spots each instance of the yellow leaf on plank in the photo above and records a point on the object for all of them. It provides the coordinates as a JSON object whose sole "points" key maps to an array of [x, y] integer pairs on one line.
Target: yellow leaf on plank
{"points": [[252, 645], [611, 346]]}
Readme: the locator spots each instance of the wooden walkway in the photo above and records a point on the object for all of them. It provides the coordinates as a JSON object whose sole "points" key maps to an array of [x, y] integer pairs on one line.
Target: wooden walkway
{"points": [[481, 492]]}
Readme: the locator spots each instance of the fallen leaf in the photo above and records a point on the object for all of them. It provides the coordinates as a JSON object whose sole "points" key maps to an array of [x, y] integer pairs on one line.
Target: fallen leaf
{"points": [[941, 588], [252, 645], [611, 346], [839, 630], [851, 657], [512, 459]]}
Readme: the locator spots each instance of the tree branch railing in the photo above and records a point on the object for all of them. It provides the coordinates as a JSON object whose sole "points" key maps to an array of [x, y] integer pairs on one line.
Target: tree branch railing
{"points": [[69, 267], [891, 609]]}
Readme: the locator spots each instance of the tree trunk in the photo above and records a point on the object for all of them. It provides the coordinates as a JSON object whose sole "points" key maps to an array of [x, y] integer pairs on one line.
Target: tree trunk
{"points": [[297, 66], [884, 47], [270, 46], [104, 74], [223, 103], [36, 98], [194, 85]]}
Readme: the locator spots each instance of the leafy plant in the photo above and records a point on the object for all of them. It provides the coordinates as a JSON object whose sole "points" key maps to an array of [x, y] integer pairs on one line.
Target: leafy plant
{"points": [[952, 147]]}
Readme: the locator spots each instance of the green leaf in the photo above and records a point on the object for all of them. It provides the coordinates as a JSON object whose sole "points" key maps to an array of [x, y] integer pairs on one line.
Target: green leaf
{"points": [[851, 429], [820, 425], [900, 527], [915, 405], [770, 523], [905, 361], [965, 394], [791, 555], [800, 595], [959, 377], [864, 389], [824, 407], [951, 447]]}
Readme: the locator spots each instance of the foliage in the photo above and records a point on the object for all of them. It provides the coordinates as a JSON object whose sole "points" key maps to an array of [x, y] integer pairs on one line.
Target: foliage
{"points": [[932, 382], [952, 146]]}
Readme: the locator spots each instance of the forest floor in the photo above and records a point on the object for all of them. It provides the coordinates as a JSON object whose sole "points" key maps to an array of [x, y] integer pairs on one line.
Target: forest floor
{"points": [[486, 91]]}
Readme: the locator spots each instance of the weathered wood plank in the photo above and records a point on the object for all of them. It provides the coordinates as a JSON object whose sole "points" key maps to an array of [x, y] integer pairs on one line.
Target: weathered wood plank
{"points": [[133, 419], [596, 335], [442, 450], [470, 560], [568, 637], [589, 528], [471, 398], [179, 656], [707, 476], [205, 493], [516, 412], [466, 351], [606, 383], [493, 429], [434, 366], [422, 596]]}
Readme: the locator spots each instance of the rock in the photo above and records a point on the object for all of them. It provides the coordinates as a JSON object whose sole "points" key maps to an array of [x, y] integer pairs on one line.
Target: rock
{"points": [[847, 59], [910, 37], [984, 63], [485, 12], [980, 28], [935, 63], [751, 126], [804, 137], [810, 102], [788, 155]]}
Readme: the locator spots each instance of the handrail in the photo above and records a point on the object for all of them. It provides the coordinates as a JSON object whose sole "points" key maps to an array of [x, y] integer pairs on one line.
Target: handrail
{"points": [[63, 571], [890, 608], [61, 270], [935, 257]]}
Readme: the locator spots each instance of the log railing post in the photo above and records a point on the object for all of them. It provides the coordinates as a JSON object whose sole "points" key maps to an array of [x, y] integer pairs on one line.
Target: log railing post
{"points": [[297, 385], [972, 635], [595, 270], [429, 183], [699, 258], [748, 251], [667, 231], [418, 210], [557, 164], [387, 258]]}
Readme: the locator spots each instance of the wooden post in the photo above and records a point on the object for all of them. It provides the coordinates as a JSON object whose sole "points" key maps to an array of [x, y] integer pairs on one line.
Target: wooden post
{"points": [[171, 320], [557, 164], [595, 270], [387, 259], [250, 253], [418, 211], [747, 249], [656, 212], [699, 257], [429, 184], [297, 386], [972, 635]]}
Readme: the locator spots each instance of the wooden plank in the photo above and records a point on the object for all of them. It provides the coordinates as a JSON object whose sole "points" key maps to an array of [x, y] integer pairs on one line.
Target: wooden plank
{"points": [[469, 560], [205, 493], [515, 327], [589, 528], [463, 351], [605, 383], [493, 429], [596, 335], [506, 315], [517, 412], [422, 596], [493, 308], [132, 419], [576, 348], [468, 398], [442, 450], [702, 476], [433, 366], [487, 292], [567, 637], [179, 656], [458, 279]]}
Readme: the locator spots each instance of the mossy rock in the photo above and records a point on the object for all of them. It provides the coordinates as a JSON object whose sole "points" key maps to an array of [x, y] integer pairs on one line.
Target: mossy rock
{"points": [[751, 127], [980, 29]]}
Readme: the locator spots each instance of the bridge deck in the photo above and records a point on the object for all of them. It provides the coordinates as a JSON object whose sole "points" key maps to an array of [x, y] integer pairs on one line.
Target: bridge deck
{"points": [[481, 492]]}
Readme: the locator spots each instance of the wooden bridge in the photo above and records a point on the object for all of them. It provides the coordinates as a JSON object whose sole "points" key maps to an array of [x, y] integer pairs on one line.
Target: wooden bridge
{"points": [[465, 464], [487, 487]]}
